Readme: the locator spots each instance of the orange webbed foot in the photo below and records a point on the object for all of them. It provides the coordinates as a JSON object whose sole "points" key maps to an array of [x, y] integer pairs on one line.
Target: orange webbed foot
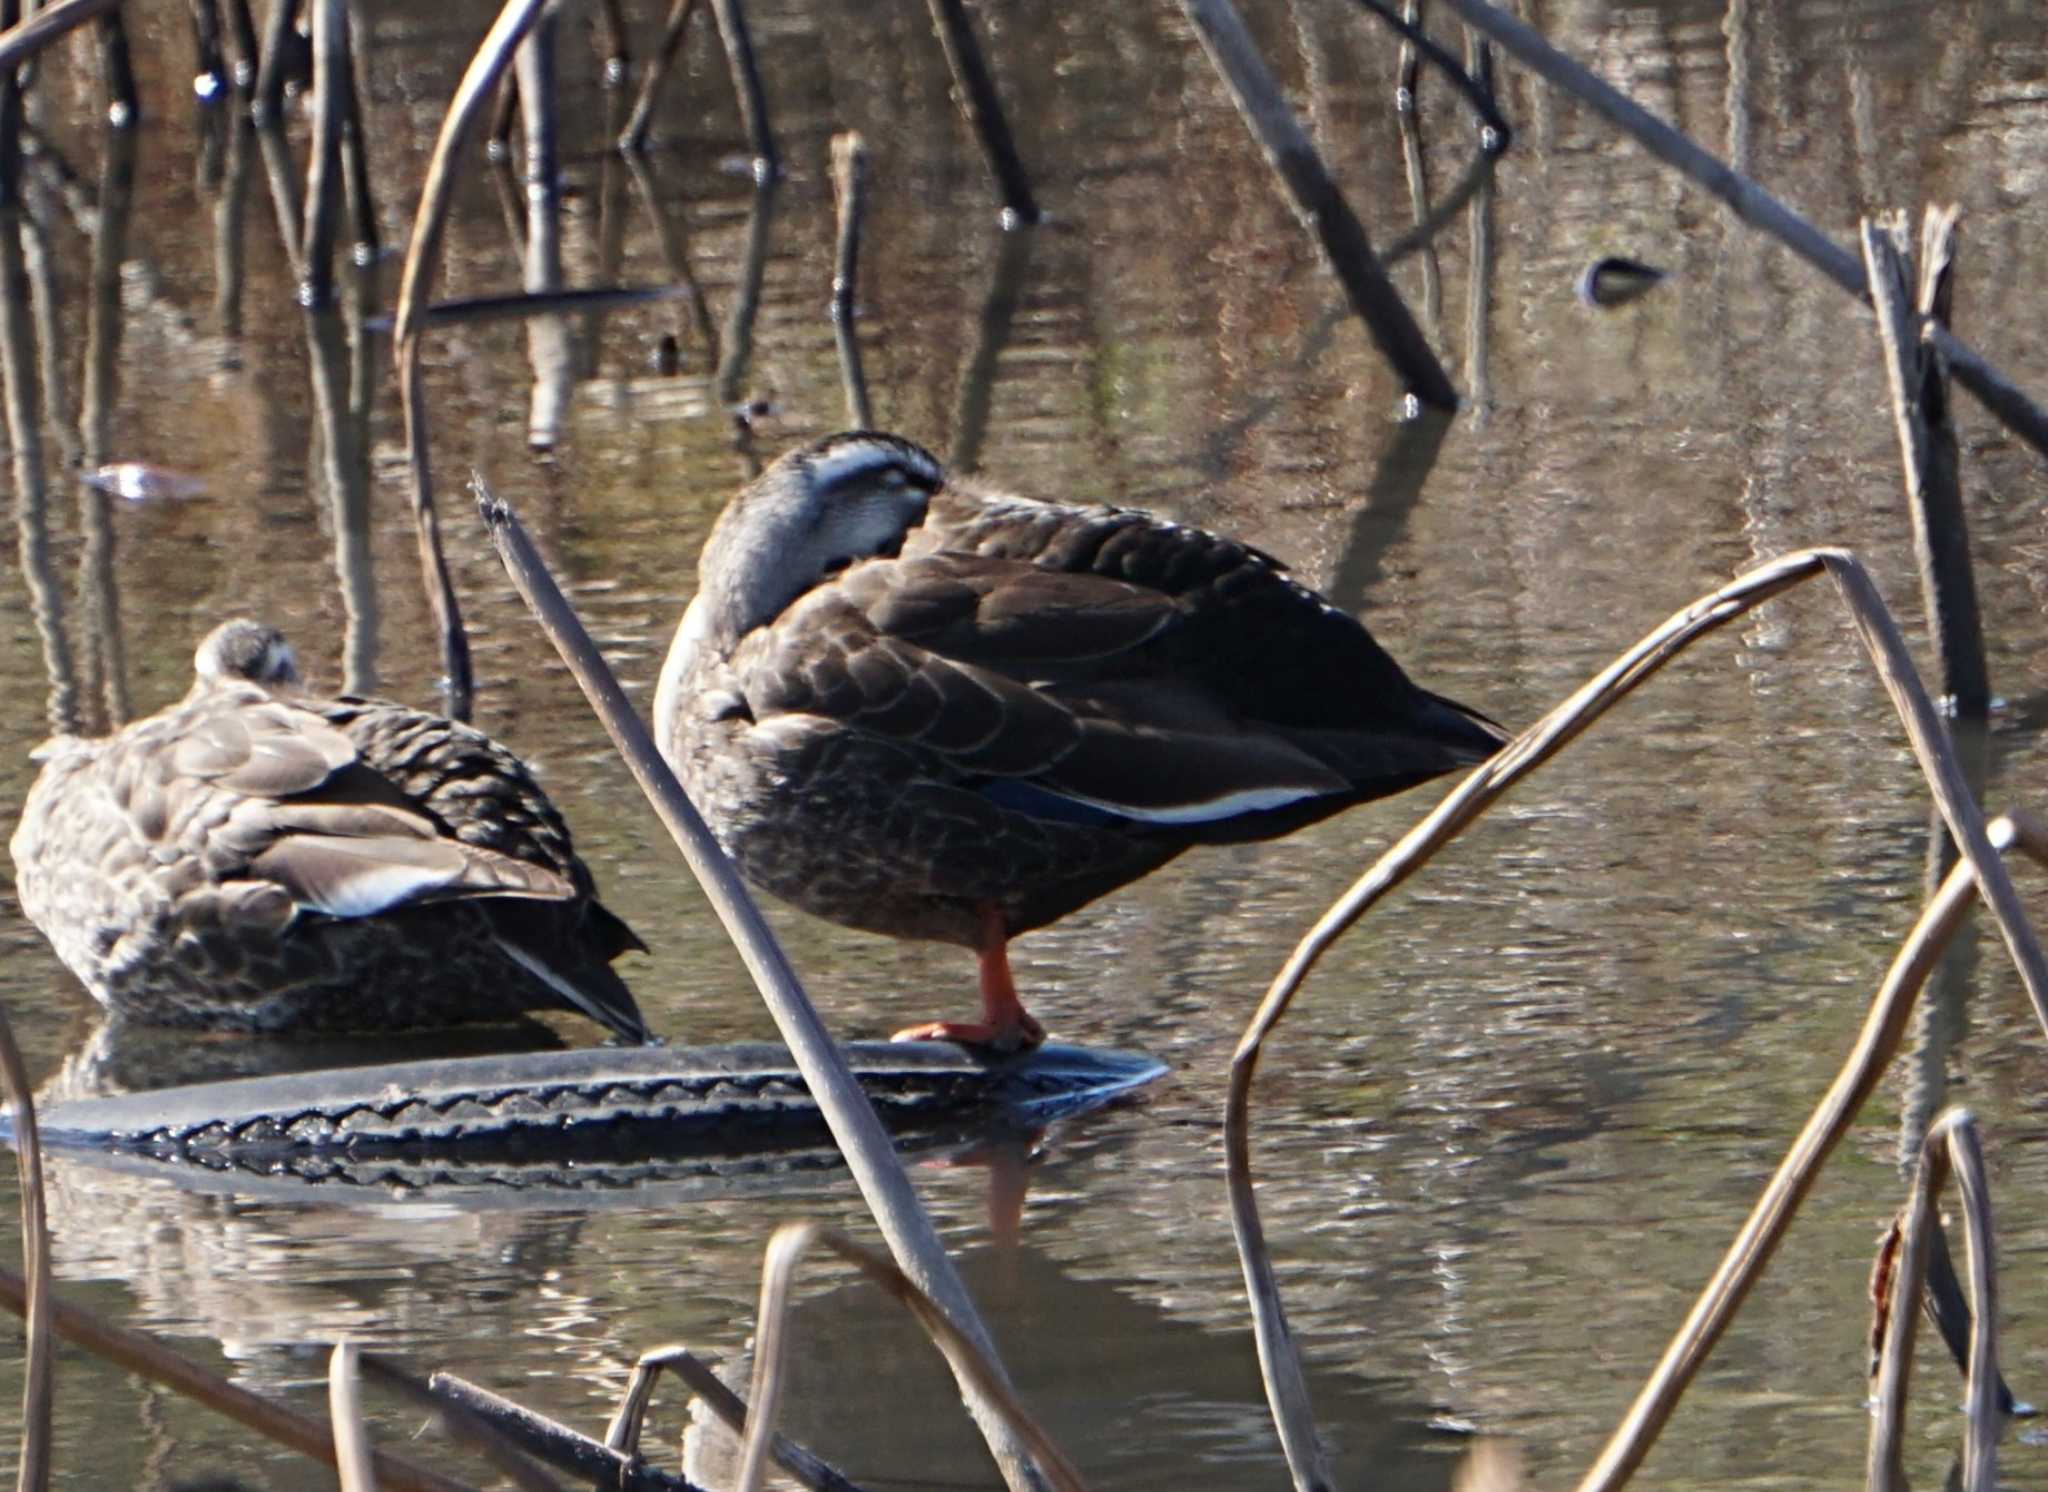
{"points": [[1020, 1035]]}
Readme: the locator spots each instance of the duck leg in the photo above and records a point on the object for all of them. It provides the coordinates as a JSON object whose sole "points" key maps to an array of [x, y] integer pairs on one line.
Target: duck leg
{"points": [[1005, 1025]]}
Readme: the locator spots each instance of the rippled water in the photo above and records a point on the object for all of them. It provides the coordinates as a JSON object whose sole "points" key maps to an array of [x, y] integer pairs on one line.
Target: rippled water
{"points": [[1516, 1116]]}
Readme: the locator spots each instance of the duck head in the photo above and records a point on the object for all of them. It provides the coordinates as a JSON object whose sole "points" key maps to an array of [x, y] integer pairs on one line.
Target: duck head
{"points": [[245, 650], [818, 509]]}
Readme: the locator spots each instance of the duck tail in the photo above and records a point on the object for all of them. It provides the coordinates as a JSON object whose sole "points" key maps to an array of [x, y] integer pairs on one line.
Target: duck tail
{"points": [[1461, 730], [592, 988]]}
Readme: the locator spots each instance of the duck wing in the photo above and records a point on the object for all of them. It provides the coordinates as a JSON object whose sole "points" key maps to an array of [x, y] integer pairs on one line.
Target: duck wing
{"points": [[1059, 693]]}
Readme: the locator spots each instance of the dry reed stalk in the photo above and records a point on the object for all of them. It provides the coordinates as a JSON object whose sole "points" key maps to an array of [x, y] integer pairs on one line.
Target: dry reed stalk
{"points": [[1951, 1145], [971, 1362], [137, 1352], [267, 108], [422, 259], [1927, 447], [1408, 121], [623, 1434], [38, 1389], [568, 1451], [876, 1169], [849, 191], [983, 108], [1495, 134], [1319, 202], [24, 39], [633, 139], [352, 1450], [675, 256], [746, 83], [463, 1426], [324, 160]]}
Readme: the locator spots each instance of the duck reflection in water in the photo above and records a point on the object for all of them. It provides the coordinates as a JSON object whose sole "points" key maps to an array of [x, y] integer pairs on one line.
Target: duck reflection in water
{"points": [[920, 708], [262, 859]]}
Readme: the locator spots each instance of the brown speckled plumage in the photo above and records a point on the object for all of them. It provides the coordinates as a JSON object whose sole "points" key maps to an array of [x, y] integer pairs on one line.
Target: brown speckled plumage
{"points": [[923, 709], [257, 858]]}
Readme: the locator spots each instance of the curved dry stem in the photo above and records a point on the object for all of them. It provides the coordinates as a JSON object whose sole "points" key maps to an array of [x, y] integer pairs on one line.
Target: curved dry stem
{"points": [[1279, 1361], [970, 1362], [623, 1434], [1286, 1391], [422, 258], [38, 1389]]}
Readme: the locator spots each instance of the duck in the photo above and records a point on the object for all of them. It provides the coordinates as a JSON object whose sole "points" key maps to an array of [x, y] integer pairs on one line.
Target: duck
{"points": [[918, 707], [259, 858]]}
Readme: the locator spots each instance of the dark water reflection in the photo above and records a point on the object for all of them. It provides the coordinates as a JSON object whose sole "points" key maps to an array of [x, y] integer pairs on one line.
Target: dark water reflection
{"points": [[1517, 1115]]}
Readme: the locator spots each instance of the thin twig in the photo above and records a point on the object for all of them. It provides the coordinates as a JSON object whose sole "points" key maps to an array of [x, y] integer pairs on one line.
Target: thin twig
{"points": [[355, 160], [422, 258], [746, 83], [464, 1427], [549, 347], [568, 1451], [1408, 120], [141, 1354], [1749, 202], [623, 1434], [23, 40], [675, 255], [737, 342], [1319, 202], [849, 190], [352, 1450], [38, 1388], [971, 1361], [1495, 133], [633, 139], [1927, 445], [268, 107], [324, 163], [1951, 1144], [983, 107], [859, 1134], [1985, 1417]]}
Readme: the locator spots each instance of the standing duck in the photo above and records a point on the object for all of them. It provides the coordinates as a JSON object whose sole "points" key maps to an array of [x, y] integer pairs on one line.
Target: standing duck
{"points": [[924, 709], [257, 858]]}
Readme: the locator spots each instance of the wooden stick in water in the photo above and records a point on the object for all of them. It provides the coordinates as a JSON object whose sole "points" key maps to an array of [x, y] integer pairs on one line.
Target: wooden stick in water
{"points": [[849, 191], [983, 107], [1927, 446], [422, 259], [1319, 202], [38, 1388], [633, 139]]}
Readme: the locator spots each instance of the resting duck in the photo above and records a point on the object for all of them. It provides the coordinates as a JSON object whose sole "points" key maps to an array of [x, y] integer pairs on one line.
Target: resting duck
{"points": [[257, 858], [922, 709]]}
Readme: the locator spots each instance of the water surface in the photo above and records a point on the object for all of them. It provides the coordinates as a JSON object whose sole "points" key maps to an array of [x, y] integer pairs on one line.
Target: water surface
{"points": [[1515, 1117]]}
